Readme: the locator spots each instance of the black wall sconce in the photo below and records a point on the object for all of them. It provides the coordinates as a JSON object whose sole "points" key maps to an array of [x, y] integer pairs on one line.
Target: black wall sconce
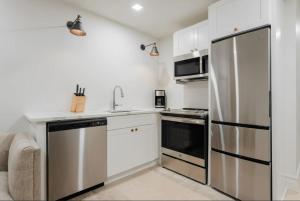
{"points": [[154, 52], [75, 27]]}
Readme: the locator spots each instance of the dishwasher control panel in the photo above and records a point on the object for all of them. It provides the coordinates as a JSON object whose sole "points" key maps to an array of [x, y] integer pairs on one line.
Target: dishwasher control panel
{"points": [[76, 124]]}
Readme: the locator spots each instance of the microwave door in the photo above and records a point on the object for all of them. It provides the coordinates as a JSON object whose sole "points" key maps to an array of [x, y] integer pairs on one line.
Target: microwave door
{"points": [[185, 68], [240, 79], [204, 64]]}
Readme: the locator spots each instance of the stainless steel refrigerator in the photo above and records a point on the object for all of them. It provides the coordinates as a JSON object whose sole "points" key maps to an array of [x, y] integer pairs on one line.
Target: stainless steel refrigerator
{"points": [[241, 160]]}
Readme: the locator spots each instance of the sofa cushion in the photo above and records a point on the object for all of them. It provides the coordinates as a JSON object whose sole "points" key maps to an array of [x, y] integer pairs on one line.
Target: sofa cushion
{"points": [[5, 141], [23, 168], [4, 194]]}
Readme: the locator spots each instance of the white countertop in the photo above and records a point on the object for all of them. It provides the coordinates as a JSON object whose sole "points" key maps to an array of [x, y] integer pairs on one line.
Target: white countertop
{"points": [[58, 116]]}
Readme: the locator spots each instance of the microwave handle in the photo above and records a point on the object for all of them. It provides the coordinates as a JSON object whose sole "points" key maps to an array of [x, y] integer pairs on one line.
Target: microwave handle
{"points": [[201, 65]]}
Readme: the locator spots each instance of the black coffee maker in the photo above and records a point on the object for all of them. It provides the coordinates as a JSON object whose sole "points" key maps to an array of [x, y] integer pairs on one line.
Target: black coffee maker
{"points": [[160, 99]]}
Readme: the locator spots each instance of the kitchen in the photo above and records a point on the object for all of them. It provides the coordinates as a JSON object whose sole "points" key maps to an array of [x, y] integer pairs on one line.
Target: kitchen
{"points": [[146, 100]]}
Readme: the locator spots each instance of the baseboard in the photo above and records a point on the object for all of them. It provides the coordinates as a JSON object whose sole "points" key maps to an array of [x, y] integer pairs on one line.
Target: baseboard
{"points": [[132, 171]]}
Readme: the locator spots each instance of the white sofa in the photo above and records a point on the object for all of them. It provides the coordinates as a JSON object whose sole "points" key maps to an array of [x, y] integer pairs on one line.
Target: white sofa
{"points": [[19, 167]]}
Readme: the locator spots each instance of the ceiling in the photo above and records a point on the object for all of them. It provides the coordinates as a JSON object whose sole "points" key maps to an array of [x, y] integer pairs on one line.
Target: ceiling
{"points": [[159, 18]]}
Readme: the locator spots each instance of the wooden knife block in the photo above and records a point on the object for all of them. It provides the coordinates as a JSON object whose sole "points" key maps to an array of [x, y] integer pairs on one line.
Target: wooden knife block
{"points": [[78, 103]]}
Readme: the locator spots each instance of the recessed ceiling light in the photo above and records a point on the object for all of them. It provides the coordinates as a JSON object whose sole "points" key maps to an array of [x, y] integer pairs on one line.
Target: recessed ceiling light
{"points": [[137, 7]]}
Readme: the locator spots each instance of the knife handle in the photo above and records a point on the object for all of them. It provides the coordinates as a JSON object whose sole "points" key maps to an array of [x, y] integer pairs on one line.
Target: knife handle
{"points": [[77, 90]]}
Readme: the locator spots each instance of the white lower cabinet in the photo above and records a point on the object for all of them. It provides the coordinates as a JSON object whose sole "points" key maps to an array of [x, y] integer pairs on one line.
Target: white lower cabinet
{"points": [[131, 147]]}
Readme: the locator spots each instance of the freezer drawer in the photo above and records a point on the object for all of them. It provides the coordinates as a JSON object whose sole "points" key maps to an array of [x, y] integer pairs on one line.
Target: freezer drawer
{"points": [[242, 179], [240, 78], [248, 142]]}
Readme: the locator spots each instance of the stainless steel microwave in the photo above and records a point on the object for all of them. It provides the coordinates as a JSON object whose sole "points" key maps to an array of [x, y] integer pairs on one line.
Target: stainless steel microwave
{"points": [[191, 66]]}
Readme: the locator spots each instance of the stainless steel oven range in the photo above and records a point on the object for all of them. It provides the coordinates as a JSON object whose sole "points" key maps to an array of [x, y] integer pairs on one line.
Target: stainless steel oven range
{"points": [[185, 142]]}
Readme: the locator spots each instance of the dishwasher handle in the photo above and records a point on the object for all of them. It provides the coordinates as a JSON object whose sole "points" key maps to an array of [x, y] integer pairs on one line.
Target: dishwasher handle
{"points": [[75, 124]]}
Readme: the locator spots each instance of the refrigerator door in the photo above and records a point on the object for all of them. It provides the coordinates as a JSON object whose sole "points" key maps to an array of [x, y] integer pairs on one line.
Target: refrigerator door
{"points": [[247, 142], [242, 179], [240, 79]]}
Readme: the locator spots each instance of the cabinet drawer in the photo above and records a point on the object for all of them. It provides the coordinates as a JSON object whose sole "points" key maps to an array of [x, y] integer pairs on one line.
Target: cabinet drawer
{"points": [[187, 169], [128, 121]]}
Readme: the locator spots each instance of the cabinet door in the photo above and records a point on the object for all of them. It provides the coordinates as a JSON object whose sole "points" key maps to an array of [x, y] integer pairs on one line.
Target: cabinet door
{"points": [[191, 38], [146, 143], [184, 41], [231, 16], [202, 39], [131, 147]]}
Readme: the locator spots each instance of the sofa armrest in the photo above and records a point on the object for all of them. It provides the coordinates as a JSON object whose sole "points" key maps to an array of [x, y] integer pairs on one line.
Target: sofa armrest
{"points": [[24, 168], [5, 142]]}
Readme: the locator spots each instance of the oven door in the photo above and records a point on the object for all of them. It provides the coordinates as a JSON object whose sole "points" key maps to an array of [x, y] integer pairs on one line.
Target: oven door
{"points": [[185, 138]]}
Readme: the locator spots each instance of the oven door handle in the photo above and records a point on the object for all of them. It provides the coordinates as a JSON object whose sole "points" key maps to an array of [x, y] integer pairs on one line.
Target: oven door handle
{"points": [[184, 120]]}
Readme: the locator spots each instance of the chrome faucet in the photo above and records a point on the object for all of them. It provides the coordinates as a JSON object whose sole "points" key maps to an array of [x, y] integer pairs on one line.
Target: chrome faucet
{"points": [[114, 96]]}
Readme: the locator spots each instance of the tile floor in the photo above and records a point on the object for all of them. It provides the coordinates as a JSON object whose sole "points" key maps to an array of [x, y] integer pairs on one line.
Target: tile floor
{"points": [[154, 184]]}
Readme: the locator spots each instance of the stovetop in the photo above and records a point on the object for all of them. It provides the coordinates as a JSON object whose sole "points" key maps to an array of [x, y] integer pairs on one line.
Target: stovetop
{"points": [[187, 111]]}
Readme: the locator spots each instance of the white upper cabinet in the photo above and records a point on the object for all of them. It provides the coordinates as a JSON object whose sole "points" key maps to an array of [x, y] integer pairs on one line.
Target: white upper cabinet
{"points": [[184, 41], [228, 17], [202, 39], [191, 38]]}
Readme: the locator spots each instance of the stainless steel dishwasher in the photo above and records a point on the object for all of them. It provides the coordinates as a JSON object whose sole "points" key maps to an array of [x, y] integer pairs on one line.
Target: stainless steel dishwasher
{"points": [[76, 157]]}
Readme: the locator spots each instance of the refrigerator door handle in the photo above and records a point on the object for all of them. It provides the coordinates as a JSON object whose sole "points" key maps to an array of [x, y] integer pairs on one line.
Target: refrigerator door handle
{"points": [[270, 104]]}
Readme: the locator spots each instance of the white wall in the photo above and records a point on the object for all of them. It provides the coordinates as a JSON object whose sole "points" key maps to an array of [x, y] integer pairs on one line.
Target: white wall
{"points": [[39, 68], [298, 77], [193, 95], [196, 95], [284, 82], [165, 77]]}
